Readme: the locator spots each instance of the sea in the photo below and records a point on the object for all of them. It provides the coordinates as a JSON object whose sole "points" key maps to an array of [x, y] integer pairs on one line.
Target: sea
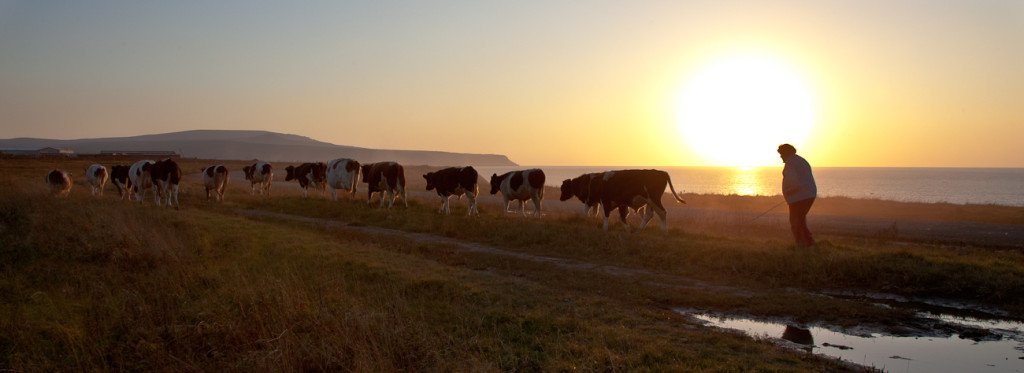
{"points": [[997, 186]]}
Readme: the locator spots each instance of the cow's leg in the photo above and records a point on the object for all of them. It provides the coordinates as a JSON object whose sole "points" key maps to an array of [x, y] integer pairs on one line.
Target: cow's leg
{"points": [[536, 205], [506, 200], [623, 211], [472, 204], [174, 194], [334, 194], [648, 213], [607, 213], [664, 218], [392, 194]]}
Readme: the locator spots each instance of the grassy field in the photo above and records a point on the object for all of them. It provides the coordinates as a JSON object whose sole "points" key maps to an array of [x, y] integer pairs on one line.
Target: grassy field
{"points": [[97, 283]]}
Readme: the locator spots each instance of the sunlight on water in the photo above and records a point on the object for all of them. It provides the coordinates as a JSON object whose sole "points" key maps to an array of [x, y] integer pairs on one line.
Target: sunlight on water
{"points": [[746, 182], [894, 354]]}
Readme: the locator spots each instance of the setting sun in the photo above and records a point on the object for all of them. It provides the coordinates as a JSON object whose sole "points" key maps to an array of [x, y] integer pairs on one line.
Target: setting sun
{"points": [[734, 111]]}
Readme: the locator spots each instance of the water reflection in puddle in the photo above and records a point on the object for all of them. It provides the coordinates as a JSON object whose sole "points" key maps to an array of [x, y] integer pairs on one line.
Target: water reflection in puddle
{"points": [[896, 354]]}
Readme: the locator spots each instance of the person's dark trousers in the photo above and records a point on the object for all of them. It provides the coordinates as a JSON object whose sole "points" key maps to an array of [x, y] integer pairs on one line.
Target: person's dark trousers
{"points": [[798, 222]]}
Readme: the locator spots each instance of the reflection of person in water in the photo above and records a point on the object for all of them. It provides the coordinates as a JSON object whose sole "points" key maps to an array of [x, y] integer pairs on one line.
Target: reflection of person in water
{"points": [[799, 336]]}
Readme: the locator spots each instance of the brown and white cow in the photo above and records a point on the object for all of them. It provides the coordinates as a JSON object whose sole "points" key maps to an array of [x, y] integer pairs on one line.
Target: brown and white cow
{"points": [[97, 177], [215, 179], [309, 175], [138, 176], [625, 189], [455, 181], [119, 177], [165, 175], [59, 182], [385, 178], [579, 187], [520, 186], [259, 174], [342, 173]]}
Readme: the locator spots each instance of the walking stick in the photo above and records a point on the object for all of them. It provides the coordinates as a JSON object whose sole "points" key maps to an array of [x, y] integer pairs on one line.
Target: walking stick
{"points": [[768, 210]]}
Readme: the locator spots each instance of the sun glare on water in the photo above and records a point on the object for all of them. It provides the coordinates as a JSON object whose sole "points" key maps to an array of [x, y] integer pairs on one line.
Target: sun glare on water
{"points": [[735, 111]]}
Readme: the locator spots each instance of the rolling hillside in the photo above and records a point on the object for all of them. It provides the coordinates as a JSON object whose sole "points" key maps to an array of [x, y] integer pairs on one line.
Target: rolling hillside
{"points": [[271, 146]]}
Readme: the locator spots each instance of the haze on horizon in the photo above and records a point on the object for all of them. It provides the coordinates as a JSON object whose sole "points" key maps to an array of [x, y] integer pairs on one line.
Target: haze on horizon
{"points": [[850, 83]]}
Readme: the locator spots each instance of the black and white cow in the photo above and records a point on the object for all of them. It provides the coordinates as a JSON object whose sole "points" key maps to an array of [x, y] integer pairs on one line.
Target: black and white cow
{"points": [[138, 176], [97, 177], [579, 187], [260, 176], [625, 189], [385, 178], [522, 186], [119, 177], [454, 181], [215, 179], [59, 182], [166, 175], [342, 173], [308, 175]]}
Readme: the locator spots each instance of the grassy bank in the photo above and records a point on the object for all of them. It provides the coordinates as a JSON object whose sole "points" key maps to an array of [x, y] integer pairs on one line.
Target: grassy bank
{"points": [[97, 283], [90, 284]]}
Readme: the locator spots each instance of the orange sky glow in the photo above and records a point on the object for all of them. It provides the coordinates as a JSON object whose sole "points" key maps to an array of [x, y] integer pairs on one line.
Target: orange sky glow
{"points": [[658, 83]]}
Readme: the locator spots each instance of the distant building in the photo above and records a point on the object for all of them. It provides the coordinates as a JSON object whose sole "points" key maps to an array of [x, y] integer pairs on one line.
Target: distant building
{"points": [[141, 153], [44, 152]]}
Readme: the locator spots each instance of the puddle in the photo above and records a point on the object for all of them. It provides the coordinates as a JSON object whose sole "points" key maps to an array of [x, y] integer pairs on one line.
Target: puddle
{"points": [[1005, 353]]}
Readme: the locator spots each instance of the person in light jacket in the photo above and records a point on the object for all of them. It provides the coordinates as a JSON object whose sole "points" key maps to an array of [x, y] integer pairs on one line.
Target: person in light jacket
{"points": [[800, 191]]}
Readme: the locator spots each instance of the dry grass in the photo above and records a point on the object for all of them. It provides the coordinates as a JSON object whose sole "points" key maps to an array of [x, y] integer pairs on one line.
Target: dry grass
{"points": [[96, 283], [101, 284]]}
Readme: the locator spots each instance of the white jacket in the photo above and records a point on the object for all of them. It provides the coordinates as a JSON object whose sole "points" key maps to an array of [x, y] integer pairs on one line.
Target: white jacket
{"points": [[797, 180]]}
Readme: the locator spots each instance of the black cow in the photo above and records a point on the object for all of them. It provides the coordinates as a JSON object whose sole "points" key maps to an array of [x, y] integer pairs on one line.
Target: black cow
{"points": [[455, 181], [308, 174], [520, 186], [579, 187], [166, 175], [385, 177], [626, 189], [119, 175]]}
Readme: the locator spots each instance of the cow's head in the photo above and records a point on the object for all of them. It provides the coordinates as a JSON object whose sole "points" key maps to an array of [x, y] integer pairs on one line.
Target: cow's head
{"points": [[429, 176], [290, 170], [567, 190], [495, 183], [248, 172]]}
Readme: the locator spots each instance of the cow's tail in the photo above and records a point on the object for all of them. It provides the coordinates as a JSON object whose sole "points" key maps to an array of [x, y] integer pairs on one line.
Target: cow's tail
{"points": [[669, 178]]}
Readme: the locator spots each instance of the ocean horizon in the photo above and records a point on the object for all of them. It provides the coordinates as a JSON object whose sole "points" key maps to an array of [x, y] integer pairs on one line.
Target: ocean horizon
{"points": [[998, 186]]}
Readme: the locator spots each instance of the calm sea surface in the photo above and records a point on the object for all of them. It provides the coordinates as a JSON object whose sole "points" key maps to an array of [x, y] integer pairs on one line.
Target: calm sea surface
{"points": [[1002, 186]]}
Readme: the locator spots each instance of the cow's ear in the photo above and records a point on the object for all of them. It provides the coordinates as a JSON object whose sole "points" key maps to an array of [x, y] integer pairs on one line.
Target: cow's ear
{"points": [[494, 175], [425, 176]]}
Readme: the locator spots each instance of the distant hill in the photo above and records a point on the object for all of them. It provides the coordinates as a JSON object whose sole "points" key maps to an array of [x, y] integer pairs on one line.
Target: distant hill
{"points": [[271, 146]]}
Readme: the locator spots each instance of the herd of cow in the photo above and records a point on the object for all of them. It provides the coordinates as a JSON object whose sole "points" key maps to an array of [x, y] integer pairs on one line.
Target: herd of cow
{"points": [[625, 190]]}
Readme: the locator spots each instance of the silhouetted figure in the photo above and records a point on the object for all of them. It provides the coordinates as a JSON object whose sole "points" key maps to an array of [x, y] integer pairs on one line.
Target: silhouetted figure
{"points": [[800, 191]]}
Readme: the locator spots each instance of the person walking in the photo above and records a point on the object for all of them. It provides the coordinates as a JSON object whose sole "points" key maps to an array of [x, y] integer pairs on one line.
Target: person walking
{"points": [[800, 191]]}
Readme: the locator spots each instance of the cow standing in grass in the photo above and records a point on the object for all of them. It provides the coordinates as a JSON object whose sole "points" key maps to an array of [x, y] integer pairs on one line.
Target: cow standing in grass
{"points": [[119, 177], [215, 179], [260, 176], [97, 177], [386, 178], [308, 175], [342, 173], [625, 189], [579, 187], [165, 175], [138, 176], [520, 186], [59, 182], [455, 181]]}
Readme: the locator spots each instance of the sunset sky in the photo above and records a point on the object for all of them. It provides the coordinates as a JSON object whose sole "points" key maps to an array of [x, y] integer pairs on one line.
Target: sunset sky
{"points": [[644, 83]]}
